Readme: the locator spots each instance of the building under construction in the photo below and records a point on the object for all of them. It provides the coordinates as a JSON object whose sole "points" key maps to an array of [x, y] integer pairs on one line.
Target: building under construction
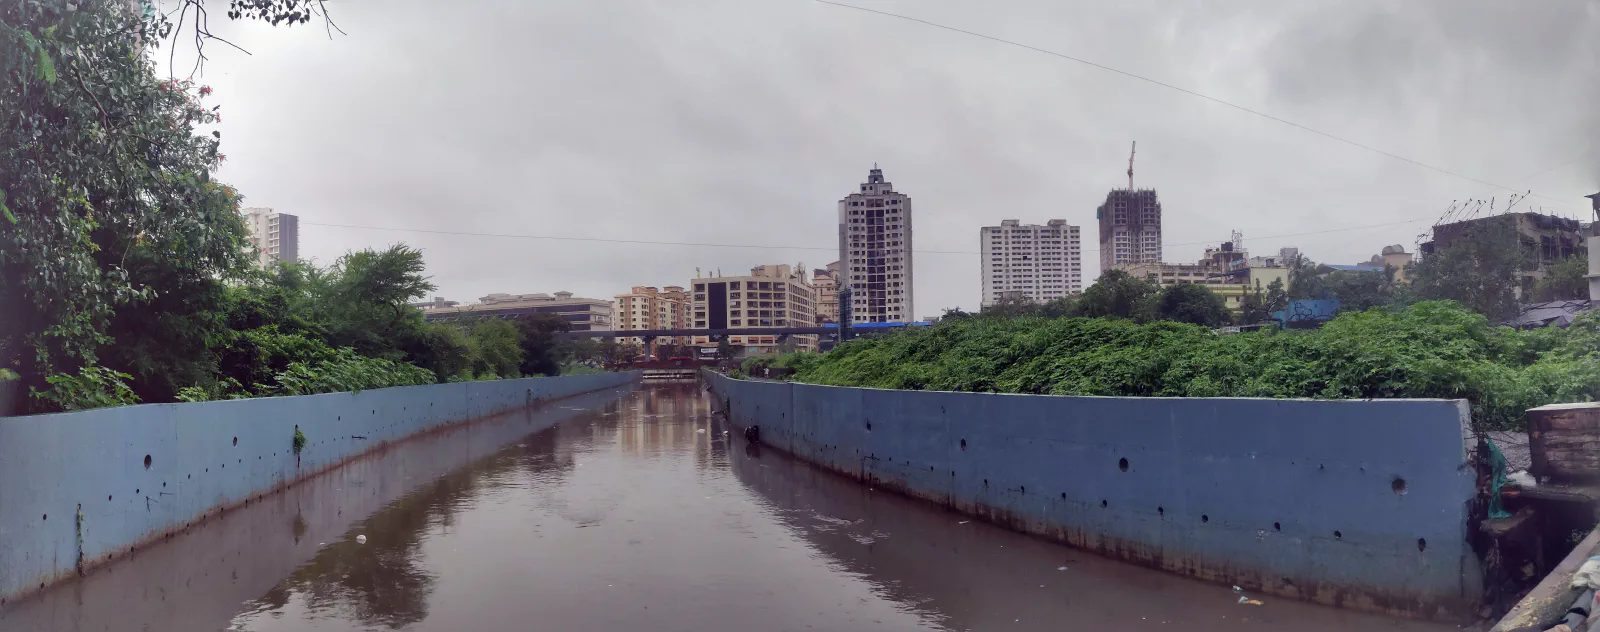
{"points": [[1547, 238], [1130, 225]]}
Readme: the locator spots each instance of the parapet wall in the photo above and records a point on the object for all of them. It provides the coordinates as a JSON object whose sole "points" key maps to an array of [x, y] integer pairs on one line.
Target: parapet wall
{"points": [[78, 489], [1359, 504]]}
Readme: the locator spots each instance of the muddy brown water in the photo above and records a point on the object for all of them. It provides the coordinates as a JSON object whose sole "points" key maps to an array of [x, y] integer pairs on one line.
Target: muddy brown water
{"points": [[637, 512]]}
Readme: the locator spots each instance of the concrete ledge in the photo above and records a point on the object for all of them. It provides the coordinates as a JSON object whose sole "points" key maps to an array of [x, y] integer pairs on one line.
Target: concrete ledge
{"points": [[1358, 504], [80, 489], [1548, 601]]}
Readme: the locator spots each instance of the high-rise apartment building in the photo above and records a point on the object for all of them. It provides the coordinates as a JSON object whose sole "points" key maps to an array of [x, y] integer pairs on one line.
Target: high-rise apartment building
{"points": [[1130, 227], [1038, 263], [826, 281], [645, 307], [772, 296], [875, 251], [276, 236]]}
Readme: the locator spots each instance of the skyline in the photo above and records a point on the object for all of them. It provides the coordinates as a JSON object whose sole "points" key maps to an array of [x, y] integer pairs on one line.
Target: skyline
{"points": [[668, 124]]}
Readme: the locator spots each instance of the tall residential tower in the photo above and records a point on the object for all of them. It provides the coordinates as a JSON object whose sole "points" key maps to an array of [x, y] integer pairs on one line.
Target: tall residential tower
{"points": [[875, 251], [1038, 263], [276, 236]]}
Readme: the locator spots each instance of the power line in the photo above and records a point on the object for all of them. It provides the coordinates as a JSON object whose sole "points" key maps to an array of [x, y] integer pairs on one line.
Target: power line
{"points": [[1185, 91], [773, 247]]}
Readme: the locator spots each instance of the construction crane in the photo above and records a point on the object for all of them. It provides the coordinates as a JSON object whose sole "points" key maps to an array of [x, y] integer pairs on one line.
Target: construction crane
{"points": [[1131, 152]]}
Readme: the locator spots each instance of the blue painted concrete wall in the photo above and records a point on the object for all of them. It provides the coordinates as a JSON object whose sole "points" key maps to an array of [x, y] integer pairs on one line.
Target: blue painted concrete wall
{"points": [[139, 472], [1295, 498]]}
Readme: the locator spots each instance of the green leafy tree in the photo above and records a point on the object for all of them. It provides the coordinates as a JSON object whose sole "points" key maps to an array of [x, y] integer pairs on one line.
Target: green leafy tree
{"points": [[497, 349], [106, 196], [1060, 307], [1117, 294], [621, 352], [1306, 278], [1194, 304], [1258, 306], [1479, 268], [1010, 307], [1359, 290], [443, 348], [1566, 280], [364, 299], [92, 387], [542, 349]]}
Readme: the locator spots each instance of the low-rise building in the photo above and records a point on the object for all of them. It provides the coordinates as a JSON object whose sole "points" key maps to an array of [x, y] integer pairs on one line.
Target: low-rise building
{"points": [[1392, 257], [771, 296], [1548, 238], [1227, 270], [581, 314], [438, 302]]}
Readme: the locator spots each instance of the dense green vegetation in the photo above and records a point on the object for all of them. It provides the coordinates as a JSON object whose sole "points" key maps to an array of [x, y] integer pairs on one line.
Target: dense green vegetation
{"points": [[125, 271], [1429, 349]]}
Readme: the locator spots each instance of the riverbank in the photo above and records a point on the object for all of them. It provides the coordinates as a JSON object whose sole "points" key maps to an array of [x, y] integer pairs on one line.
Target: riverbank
{"points": [[85, 488], [1216, 489]]}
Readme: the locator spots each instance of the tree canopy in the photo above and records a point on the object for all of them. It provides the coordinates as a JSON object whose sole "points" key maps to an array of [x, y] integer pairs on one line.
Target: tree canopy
{"points": [[1479, 267], [1193, 304]]}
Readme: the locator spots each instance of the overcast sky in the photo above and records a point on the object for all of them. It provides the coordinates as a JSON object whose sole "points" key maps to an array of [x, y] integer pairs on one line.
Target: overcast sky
{"points": [[745, 121]]}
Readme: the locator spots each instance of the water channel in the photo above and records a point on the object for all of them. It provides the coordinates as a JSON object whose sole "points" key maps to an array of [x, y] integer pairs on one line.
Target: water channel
{"points": [[636, 512]]}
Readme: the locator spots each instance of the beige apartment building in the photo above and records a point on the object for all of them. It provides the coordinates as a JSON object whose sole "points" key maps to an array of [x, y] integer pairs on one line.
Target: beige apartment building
{"points": [[826, 281], [645, 307], [772, 296]]}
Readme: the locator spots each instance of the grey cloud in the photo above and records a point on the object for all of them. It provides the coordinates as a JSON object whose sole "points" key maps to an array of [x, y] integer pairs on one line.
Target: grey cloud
{"points": [[728, 121]]}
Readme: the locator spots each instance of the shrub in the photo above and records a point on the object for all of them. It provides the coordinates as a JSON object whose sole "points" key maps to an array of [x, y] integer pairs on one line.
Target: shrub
{"points": [[92, 387], [1430, 349]]}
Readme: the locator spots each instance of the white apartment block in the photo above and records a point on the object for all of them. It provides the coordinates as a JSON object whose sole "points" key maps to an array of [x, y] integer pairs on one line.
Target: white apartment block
{"points": [[276, 236], [773, 296], [1038, 263], [645, 307], [875, 251]]}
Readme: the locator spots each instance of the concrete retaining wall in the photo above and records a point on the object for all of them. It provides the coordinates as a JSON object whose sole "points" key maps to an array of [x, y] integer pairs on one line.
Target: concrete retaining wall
{"points": [[92, 485], [1360, 504]]}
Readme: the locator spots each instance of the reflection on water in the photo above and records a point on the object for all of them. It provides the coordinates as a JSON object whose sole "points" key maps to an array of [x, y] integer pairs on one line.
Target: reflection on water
{"points": [[641, 514], [965, 575]]}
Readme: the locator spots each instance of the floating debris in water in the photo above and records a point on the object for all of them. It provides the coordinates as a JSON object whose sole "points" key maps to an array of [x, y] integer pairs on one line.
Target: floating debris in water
{"points": [[1061, 568], [1237, 589], [700, 431], [361, 539], [964, 522], [1248, 601]]}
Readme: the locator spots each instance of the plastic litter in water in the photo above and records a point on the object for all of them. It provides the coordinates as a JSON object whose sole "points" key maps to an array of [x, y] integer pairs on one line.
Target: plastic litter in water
{"points": [[361, 539], [1061, 568], [700, 431], [964, 522], [1237, 589], [1248, 601], [1522, 479]]}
